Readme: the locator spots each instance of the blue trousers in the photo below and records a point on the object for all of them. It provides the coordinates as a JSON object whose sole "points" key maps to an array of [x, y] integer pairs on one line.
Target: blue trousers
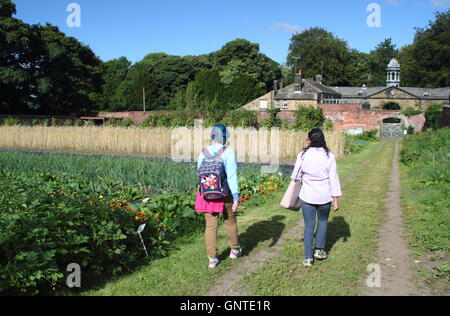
{"points": [[310, 214]]}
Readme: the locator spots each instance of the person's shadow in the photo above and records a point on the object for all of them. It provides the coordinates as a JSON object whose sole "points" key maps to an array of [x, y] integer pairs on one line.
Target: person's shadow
{"points": [[338, 229], [257, 233]]}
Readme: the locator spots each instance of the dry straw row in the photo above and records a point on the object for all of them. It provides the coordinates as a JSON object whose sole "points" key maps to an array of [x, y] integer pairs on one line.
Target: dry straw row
{"points": [[255, 146]]}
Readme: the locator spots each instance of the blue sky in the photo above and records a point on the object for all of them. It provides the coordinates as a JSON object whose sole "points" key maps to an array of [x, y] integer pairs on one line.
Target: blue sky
{"points": [[135, 28]]}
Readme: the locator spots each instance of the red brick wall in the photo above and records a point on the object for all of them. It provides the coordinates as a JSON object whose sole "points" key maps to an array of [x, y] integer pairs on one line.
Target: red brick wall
{"points": [[344, 116], [352, 116]]}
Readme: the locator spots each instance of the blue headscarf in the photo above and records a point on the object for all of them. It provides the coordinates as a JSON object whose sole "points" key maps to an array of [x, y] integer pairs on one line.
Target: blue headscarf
{"points": [[220, 134]]}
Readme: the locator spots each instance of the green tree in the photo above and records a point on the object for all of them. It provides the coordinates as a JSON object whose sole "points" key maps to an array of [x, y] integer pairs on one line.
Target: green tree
{"points": [[114, 73], [130, 93], [243, 57], [379, 60], [7, 9], [428, 58], [43, 71], [320, 49], [358, 69]]}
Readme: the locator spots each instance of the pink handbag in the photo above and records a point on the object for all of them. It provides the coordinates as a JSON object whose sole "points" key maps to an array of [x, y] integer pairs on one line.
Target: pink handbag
{"points": [[291, 199]]}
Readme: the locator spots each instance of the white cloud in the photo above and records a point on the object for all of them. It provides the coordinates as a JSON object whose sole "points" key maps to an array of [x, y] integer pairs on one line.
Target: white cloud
{"points": [[284, 27], [395, 2], [440, 3]]}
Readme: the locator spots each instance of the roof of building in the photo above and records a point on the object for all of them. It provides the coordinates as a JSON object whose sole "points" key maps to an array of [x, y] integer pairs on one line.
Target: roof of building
{"points": [[427, 93], [311, 88], [289, 93]]}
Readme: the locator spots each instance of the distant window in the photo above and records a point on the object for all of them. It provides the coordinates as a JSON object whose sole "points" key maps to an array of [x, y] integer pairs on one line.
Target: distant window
{"points": [[263, 104], [285, 106]]}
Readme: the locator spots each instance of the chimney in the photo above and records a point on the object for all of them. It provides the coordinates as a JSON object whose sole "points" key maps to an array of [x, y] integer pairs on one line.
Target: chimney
{"points": [[275, 86], [281, 84], [298, 81]]}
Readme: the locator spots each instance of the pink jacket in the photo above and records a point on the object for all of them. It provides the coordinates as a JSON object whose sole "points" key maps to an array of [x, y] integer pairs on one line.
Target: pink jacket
{"points": [[320, 176]]}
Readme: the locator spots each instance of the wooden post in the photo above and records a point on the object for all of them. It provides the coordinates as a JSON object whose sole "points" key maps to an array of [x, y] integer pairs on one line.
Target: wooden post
{"points": [[143, 96]]}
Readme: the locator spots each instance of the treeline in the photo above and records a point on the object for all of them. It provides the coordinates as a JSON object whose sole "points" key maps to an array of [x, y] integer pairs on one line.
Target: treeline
{"points": [[43, 71], [215, 83], [424, 63]]}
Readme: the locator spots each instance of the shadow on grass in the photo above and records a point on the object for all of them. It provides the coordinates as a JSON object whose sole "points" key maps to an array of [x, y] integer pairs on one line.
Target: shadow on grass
{"points": [[258, 233], [338, 229]]}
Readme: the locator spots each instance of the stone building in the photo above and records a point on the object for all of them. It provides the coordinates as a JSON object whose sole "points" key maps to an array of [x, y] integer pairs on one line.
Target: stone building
{"points": [[312, 92], [367, 106]]}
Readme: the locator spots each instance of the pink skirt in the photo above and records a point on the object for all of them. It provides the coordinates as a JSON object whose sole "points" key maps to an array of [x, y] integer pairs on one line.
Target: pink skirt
{"points": [[203, 206]]}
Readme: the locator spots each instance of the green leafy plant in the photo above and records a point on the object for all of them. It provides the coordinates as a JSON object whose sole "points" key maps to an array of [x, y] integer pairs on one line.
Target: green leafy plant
{"points": [[433, 116], [11, 122], [308, 118]]}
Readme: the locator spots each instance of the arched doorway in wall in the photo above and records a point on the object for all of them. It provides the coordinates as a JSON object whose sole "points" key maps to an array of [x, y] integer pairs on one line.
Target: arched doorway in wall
{"points": [[392, 128]]}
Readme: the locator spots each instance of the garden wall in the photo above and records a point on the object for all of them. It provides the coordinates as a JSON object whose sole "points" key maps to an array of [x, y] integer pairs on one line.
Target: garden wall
{"points": [[351, 116]]}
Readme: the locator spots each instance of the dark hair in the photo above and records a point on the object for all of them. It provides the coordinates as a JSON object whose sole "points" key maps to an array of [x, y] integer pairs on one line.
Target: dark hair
{"points": [[317, 138]]}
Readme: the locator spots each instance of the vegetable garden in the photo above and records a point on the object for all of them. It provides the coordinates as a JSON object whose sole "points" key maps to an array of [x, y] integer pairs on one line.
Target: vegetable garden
{"points": [[63, 209]]}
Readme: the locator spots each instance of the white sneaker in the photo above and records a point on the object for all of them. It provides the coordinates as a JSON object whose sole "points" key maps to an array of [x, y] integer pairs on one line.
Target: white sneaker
{"points": [[320, 254], [308, 262], [235, 253], [213, 263]]}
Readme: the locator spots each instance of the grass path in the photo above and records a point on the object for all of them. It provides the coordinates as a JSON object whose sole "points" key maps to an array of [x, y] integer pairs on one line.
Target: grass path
{"points": [[184, 271], [352, 241]]}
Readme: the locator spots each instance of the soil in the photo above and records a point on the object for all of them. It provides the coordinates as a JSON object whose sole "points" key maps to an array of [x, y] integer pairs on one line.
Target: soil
{"points": [[398, 277]]}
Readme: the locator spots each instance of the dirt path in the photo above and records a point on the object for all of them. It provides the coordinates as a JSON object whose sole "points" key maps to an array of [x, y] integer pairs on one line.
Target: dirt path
{"points": [[226, 284], [395, 260]]}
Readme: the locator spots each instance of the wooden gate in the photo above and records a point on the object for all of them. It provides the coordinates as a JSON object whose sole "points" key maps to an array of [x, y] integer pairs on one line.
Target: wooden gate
{"points": [[392, 130]]}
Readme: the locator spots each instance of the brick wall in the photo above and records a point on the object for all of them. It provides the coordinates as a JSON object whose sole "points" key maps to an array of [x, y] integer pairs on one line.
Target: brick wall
{"points": [[351, 116]]}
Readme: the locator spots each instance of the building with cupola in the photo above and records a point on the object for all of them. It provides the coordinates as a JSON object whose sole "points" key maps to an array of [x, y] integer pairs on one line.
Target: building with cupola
{"points": [[351, 107], [312, 92]]}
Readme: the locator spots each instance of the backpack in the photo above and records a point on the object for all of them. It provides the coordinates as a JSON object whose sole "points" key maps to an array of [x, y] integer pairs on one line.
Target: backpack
{"points": [[212, 178]]}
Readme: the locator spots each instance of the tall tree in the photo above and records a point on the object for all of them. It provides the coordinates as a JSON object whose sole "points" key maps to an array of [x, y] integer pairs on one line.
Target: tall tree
{"points": [[320, 51], [7, 8], [379, 60], [16, 45], [43, 71], [358, 70], [243, 57], [428, 59], [114, 73], [67, 73], [130, 93]]}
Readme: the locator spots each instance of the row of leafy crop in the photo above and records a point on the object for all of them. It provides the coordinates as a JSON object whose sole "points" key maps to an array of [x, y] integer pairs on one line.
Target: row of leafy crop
{"points": [[305, 118], [125, 177], [427, 192], [49, 222]]}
